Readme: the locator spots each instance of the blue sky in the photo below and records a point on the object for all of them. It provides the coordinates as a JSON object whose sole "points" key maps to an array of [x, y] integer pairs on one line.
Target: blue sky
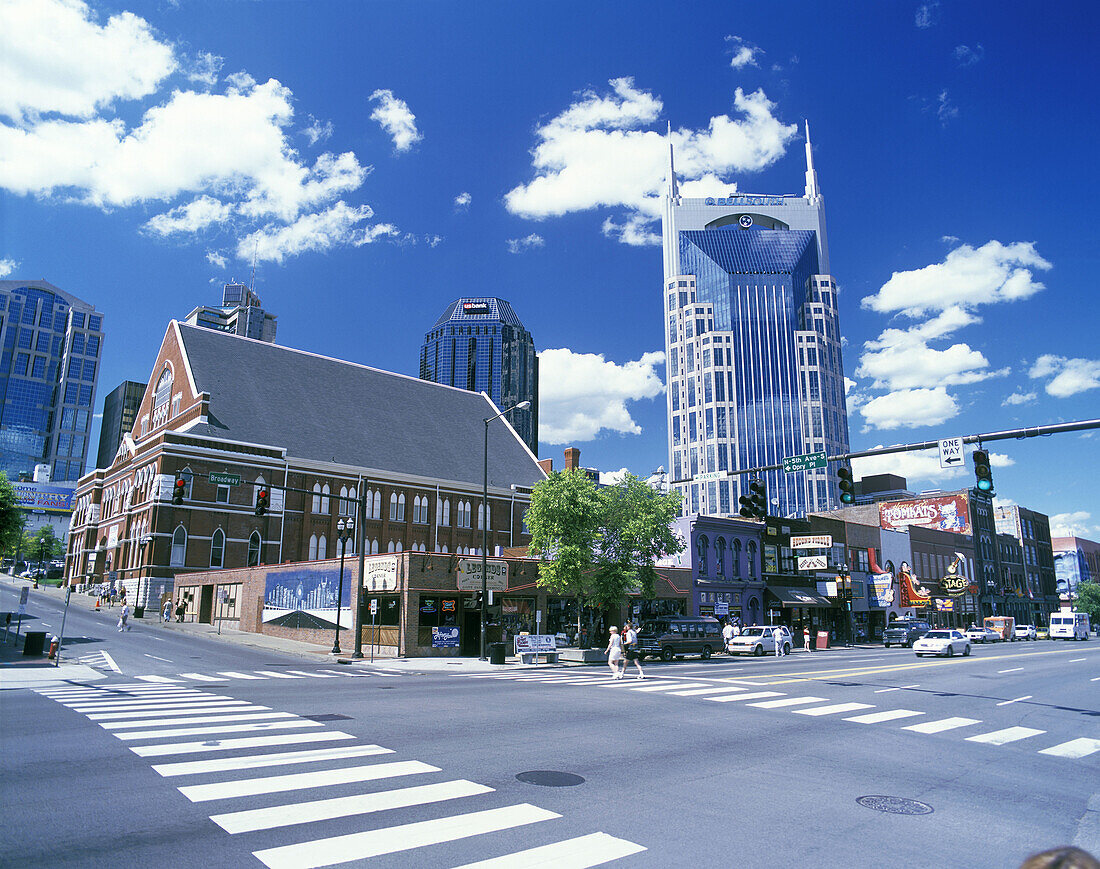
{"points": [[379, 160]]}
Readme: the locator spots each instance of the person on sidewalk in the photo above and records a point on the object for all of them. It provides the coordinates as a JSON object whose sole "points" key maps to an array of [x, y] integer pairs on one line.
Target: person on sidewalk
{"points": [[777, 634], [614, 652], [807, 638], [727, 635], [124, 618], [630, 642], [181, 611], [167, 614]]}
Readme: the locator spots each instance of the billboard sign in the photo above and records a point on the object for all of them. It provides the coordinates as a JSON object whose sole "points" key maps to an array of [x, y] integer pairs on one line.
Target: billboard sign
{"points": [[941, 513], [38, 496], [380, 574], [469, 575]]}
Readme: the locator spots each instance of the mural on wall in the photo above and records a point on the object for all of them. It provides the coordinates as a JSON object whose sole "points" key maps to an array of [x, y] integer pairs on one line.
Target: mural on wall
{"points": [[306, 598], [943, 513]]}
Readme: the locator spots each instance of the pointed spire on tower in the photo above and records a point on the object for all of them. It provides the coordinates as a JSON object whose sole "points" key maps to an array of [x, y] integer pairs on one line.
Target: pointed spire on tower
{"points": [[672, 188], [812, 190]]}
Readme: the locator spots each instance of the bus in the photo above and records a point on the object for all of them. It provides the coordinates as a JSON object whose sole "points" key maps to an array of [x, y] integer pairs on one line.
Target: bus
{"points": [[1003, 625]]}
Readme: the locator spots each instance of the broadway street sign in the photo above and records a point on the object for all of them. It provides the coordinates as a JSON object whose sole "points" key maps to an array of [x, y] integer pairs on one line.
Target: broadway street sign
{"points": [[224, 479]]}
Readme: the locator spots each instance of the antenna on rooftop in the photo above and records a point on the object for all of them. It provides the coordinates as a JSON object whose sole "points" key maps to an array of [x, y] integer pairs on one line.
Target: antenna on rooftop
{"points": [[252, 279]]}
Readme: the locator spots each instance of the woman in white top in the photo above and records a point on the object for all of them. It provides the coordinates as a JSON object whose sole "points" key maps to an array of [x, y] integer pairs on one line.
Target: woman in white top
{"points": [[614, 652]]}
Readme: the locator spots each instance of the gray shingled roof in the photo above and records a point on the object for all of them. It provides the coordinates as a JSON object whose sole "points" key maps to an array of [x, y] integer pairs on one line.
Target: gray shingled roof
{"points": [[329, 410]]}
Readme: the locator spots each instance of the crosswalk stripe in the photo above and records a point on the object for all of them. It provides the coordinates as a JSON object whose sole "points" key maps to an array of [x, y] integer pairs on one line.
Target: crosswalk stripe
{"points": [[164, 679], [879, 717], [313, 675], [202, 677], [202, 719], [942, 725], [143, 700], [1003, 737], [243, 742], [275, 675], [1075, 748], [274, 784], [203, 708], [115, 690], [390, 840], [697, 692], [752, 695], [343, 807], [668, 686], [220, 728], [789, 701], [167, 706], [233, 674], [834, 709], [257, 761], [580, 853], [133, 696], [339, 673]]}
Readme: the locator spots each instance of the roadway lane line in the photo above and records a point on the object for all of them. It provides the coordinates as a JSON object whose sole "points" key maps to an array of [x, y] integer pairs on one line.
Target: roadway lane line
{"points": [[275, 675], [1076, 660], [199, 677], [220, 728], [244, 742], [1017, 700], [752, 695], [878, 717], [899, 688], [155, 658], [1075, 748], [835, 709], [251, 820], [594, 849], [696, 692], [1011, 670], [1003, 737], [405, 837], [312, 675], [202, 719], [256, 761], [275, 784], [942, 725], [194, 710], [163, 679], [790, 701], [233, 674]]}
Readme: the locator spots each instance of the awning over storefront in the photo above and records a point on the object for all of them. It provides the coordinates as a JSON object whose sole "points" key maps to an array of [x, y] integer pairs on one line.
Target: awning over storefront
{"points": [[798, 597]]}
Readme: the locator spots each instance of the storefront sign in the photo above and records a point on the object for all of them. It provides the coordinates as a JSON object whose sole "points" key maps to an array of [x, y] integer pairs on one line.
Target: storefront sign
{"points": [[945, 606], [380, 574], [721, 609], [882, 589], [954, 585], [445, 638], [813, 541], [945, 513], [912, 593], [469, 575], [813, 562], [535, 643]]}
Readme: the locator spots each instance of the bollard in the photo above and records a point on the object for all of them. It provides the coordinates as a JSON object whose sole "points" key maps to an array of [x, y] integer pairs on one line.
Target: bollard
{"points": [[53, 647]]}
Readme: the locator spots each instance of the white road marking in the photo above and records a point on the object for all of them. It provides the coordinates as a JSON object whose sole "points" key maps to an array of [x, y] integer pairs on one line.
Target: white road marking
{"points": [[696, 692], [203, 709], [220, 728], [256, 761], [877, 717], [1011, 670], [200, 719], [1017, 700], [753, 695], [1076, 660], [110, 662], [1002, 737], [1075, 748], [790, 701], [232, 674], [899, 688], [835, 709], [275, 675], [244, 742], [155, 658], [199, 677], [389, 840], [312, 675], [580, 853], [942, 725], [343, 807], [164, 679], [274, 784], [665, 686], [165, 705]]}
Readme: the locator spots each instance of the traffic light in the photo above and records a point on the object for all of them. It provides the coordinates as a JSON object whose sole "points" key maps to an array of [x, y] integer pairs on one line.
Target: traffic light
{"points": [[983, 473], [179, 488], [846, 484], [754, 505], [262, 501]]}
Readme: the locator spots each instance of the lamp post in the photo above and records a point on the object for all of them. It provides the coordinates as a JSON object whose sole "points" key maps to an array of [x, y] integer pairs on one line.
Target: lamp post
{"points": [[523, 405], [844, 586], [344, 529]]}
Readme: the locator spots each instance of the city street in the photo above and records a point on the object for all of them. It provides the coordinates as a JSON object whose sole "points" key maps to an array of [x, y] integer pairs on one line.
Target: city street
{"points": [[223, 755]]}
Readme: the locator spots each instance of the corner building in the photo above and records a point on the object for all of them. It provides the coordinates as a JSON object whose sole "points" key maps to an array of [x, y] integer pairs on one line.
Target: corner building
{"points": [[752, 346]]}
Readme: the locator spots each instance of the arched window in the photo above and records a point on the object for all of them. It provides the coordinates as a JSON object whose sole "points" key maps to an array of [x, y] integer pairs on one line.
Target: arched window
{"points": [[416, 508], [393, 507], [345, 507], [374, 546], [376, 507], [445, 512], [751, 551], [188, 478], [316, 506], [353, 501], [720, 556], [217, 548], [443, 548], [390, 547], [164, 388], [179, 547], [701, 546], [322, 547], [312, 548], [736, 557], [254, 549], [325, 506]]}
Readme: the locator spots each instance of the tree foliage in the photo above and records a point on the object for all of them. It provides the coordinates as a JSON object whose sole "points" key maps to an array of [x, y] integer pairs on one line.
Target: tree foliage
{"points": [[12, 518], [1088, 600], [600, 544]]}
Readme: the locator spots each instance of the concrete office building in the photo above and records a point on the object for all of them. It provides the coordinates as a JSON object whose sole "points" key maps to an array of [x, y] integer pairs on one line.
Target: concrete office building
{"points": [[120, 409], [480, 344], [752, 339], [52, 343], [241, 313]]}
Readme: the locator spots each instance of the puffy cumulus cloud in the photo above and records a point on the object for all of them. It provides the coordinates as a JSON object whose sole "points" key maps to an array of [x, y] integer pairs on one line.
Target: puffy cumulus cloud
{"points": [[192, 217], [636, 230], [216, 259], [967, 56], [55, 58], [7, 266], [613, 478], [519, 245], [909, 408], [1079, 523], [744, 53], [335, 226], [918, 465], [318, 131], [204, 68], [462, 201], [597, 154], [1068, 376], [967, 277], [395, 117], [584, 394], [1018, 398]]}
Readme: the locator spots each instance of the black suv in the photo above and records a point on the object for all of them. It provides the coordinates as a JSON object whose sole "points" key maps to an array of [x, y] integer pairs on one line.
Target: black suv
{"points": [[904, 633]]}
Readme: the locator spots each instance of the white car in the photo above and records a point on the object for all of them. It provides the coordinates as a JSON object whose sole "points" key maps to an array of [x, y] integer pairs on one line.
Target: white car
{"points": [[983, 635], [1026, 632], [944, 642], [760, 641]]}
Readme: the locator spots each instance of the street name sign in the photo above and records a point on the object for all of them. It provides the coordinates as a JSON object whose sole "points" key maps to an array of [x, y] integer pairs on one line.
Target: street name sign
{"points": [[813, 562], [812, 541], [224, 479], [806, 462], [951, 452], [709, 476]]}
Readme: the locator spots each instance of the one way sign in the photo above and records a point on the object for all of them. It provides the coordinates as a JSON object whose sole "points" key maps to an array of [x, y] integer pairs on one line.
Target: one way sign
{"points": [[951, 452]]}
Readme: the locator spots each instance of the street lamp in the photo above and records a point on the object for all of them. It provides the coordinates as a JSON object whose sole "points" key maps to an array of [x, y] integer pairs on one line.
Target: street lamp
{"points": [[523, 405], [344, 529]]}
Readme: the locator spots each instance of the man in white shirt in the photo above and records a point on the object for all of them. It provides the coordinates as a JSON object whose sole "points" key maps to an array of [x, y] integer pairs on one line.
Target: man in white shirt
{"points": [[727, 634]]}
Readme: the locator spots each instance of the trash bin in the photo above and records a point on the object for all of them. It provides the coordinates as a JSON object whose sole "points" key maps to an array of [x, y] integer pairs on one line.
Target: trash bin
{"points": [[139, 612], [34, 643], [496, 653]]}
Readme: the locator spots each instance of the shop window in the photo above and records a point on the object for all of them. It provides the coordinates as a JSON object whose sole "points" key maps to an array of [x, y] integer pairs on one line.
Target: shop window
{"points": [[435, 612], [517, 614], [389, 611]]}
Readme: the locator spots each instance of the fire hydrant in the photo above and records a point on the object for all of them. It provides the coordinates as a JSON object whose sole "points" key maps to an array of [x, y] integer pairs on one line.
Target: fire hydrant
{"points": [[53, 647]]}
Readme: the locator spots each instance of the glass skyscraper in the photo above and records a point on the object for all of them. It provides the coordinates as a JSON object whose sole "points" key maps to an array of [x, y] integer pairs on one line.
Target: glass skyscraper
{"points": [[752, 341], [52, 344], [241, 313], [480, 344]]}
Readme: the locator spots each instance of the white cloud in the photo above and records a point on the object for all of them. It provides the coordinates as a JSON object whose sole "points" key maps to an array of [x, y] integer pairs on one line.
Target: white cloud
{"points": [[909, 408], [967, 56], [337, 225], [55, 58], [519, 245], [241, 81], [945, 109], [744, 53], [192, 217], [318, 131], [928, 14], [204, 68], [433, 240], [396, 119], [1076, 524], [595, 154], [613, 478], [1070, 376], [967, 277], [584, 394], [635, 230], [1018, 397], [919, 466], [462, 201], [7, 266], [215, 259]]}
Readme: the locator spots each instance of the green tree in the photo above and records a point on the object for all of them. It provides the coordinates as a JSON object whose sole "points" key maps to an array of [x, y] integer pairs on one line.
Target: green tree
{"points": [[1088, 600], [12, 518]]}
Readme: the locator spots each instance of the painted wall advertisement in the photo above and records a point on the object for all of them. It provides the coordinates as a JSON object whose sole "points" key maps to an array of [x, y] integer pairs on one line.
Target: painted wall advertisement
{"points": [[882, 589], [942, 513], [307, 598]]}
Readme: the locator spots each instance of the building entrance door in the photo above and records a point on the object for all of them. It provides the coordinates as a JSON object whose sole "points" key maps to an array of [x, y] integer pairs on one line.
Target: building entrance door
{"points": [[206, 605], [471, 633]]}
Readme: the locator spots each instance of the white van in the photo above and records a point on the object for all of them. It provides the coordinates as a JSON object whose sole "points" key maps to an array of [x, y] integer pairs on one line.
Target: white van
{"points": [[1066, 625]]}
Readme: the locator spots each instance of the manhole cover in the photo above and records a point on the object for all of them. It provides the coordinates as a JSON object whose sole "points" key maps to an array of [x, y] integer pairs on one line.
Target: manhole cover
{"points": [[548, 778], [895, 805]]}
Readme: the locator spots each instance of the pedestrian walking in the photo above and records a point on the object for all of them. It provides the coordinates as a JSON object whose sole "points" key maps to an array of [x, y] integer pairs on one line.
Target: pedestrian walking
{"points": [[727, 634], [614, 652], [630, 643], [181, 611], [806, 637], [167, 611], [124, 618], [777, 635]]}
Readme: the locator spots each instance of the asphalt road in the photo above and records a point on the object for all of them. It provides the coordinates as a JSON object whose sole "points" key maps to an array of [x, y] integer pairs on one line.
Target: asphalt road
{"points": [[724, 763]]}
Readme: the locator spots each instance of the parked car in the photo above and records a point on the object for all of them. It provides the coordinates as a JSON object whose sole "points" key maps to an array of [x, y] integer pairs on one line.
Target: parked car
{"points": [[759, 641], [944, 642], [677, 636], [1026, 632], [1069, 625], [904, 632], [1042, 633], [1004, 625], [982, 635]]}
